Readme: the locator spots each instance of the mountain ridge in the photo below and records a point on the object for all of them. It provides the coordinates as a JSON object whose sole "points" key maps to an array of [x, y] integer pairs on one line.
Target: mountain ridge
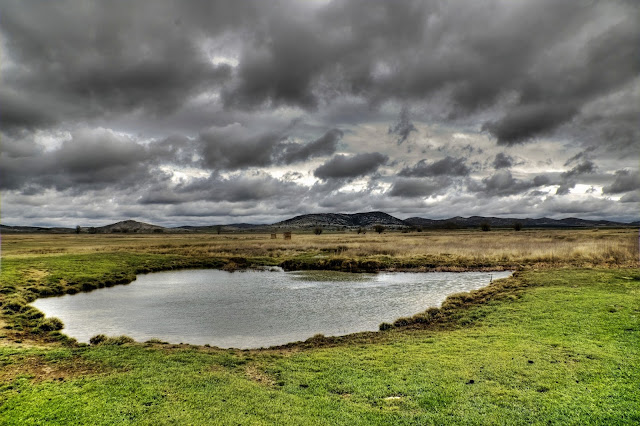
{"points": [[333, 221]]}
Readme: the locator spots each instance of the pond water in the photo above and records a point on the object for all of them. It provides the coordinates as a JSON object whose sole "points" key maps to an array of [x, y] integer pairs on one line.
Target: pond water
{"points": [[254, 309]]}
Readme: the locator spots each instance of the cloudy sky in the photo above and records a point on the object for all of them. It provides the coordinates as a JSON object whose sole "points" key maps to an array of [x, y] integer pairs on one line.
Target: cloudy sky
{"points": [[208, 112]]}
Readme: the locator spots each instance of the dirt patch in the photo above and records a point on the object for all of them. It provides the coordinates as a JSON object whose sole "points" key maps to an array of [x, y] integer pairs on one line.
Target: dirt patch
{"points": [[38, 369], [255, 374]]}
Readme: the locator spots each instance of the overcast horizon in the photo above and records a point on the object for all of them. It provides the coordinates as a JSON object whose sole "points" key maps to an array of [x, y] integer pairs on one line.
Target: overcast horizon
{"points": [[199, 113]]}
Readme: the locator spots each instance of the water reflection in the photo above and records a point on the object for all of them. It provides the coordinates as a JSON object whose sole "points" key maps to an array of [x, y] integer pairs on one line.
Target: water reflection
{"points": [[254, 308]]}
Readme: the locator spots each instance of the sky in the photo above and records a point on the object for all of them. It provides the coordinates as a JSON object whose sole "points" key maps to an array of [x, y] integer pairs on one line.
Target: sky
{"points": [[213, 112]]}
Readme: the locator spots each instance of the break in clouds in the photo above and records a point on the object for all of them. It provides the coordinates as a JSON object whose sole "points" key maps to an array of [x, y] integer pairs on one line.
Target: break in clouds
{"points": [[199, 112]]}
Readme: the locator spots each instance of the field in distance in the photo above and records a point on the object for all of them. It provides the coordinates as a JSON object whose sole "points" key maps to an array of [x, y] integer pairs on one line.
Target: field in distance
{"points": [[448, 249]]}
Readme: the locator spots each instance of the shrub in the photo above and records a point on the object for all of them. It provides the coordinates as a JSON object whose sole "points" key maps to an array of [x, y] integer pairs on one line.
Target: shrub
{"points": [[485, 226], [101, 339], [51, 324], [119, 340], [97, 339], [517, 226], [379, 229], [402, 322], [317, 230], [385, 326]]}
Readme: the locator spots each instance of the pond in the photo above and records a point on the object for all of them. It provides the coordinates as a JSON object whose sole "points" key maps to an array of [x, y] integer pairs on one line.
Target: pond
{"points": [[254, 309]]}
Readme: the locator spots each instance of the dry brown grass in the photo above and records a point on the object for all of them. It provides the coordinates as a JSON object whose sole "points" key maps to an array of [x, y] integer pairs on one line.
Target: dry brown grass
{"points": [[582, 247]]}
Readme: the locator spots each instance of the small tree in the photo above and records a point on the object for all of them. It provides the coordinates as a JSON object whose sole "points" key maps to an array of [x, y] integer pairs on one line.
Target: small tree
{"points": [[218, 229], [379, 229], [517, 226], [317, 230], [485, 226], [78, 229]]}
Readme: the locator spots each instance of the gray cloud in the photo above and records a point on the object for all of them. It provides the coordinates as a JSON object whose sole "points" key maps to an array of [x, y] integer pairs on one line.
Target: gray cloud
{"points": [[569, 178], [241, 188], [325, 145], [90, 159], [502, 161], [341, 166], [585, 167], [448, 166], [626, 180], [502, 183], [403, 127], [413, 187], [527, 121], [236, 147]]}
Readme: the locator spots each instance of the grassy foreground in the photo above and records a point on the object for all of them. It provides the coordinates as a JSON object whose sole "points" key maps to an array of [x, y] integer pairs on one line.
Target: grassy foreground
{"points": [[558, 344]]}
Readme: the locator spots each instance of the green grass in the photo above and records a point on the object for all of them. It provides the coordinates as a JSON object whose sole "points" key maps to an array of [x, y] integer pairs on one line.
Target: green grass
{"points": [[561, 348]]}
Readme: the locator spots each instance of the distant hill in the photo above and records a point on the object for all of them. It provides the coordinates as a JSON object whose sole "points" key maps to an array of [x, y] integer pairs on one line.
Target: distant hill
{"points": [[232, 227], [498, 222], [333, 221], [126, 226], [340, 220], [7, 229]]}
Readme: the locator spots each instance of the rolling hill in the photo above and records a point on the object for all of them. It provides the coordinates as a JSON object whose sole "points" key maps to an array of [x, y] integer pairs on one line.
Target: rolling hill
{"points": [[335, 221]]}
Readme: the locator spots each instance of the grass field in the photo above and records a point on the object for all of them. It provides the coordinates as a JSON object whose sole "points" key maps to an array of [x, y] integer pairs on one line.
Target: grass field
{"points": [[557, 343]]}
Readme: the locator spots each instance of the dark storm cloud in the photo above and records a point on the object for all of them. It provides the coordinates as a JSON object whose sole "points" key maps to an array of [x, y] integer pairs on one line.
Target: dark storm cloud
{"points": [[20, 112], [341, 166], [626, 180], [235, 189], [325, 145], [569, 179], [236, 147], [412, 187], [135, 57], [502, 161], [448, 166], [502, 183], [91, 159], [527, 121], [580, 156], [553, 98], [403, 127], [632, 197], [95, 58]]}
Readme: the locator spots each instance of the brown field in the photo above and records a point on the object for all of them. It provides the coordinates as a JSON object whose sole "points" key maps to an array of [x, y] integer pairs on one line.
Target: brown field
{"points": [[465, 248]]}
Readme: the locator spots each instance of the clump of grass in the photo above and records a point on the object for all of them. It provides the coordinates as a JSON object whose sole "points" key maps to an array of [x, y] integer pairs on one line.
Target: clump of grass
{"points": [[155, 341], [50, 324], [101, 339], [14, 304]]}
